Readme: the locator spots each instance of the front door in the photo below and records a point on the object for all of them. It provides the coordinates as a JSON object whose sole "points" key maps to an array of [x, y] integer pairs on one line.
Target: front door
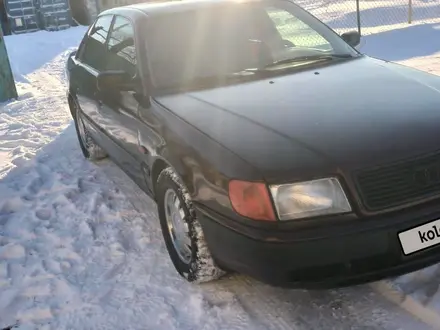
{"points": [[121, 108], [89, 64]]}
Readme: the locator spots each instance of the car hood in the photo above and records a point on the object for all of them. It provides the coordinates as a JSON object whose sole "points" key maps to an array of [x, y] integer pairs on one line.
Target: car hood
{"points": [[346, 116]]}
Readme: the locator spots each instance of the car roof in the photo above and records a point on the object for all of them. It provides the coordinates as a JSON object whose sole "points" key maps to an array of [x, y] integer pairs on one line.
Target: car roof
{"points": [[153, 8]]}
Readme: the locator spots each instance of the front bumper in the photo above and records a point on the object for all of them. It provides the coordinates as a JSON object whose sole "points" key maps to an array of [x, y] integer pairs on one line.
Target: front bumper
{"points": [[357, 252]]}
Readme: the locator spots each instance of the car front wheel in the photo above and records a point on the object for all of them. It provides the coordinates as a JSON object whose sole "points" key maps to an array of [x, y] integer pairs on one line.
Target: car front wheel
{"points": [[90, 149], [182, 232]]}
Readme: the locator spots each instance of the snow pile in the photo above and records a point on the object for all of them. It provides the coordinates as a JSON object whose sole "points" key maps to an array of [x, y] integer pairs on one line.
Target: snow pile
{"points": [[412, 41], [39, 73]]}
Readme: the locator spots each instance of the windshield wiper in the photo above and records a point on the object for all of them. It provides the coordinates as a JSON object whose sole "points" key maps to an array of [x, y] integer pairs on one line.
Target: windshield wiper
{"points": [[308, 58], [249, 72]]}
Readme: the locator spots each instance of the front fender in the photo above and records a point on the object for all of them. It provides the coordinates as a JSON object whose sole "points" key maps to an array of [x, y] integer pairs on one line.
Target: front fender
{"points": [[205, 168], [204, 165]]}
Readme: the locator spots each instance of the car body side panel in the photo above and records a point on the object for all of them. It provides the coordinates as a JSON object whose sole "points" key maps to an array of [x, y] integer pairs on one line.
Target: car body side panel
{"points": [[119, 117], [117, 154]]}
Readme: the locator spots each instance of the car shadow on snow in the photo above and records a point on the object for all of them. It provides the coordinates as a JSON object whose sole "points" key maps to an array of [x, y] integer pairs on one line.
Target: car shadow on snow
{"points": [[403, 44]]}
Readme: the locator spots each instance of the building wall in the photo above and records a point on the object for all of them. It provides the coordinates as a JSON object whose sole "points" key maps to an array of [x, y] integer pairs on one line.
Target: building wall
{"points": [[80, 12], [107, 4], [94, 7]]}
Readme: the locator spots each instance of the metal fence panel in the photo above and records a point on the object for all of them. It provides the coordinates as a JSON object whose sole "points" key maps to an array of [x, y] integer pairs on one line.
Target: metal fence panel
{"points": [[22, 16], [375, 15], [340, 15], [54, 14]]}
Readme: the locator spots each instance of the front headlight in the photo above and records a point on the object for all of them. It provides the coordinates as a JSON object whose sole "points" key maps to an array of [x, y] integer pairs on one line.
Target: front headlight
{"points": [[309, 199]]}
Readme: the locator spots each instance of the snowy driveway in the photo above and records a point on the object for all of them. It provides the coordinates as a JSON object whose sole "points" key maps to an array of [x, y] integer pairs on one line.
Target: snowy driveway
{"points": [[80, 245]]}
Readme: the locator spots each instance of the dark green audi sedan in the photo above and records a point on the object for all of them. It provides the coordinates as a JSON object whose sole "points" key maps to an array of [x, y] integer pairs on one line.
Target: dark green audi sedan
{"points": [[271, 146]]}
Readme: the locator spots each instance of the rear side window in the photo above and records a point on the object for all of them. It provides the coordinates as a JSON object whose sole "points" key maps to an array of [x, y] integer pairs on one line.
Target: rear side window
{"points": [[122, 51], [95, 49]]}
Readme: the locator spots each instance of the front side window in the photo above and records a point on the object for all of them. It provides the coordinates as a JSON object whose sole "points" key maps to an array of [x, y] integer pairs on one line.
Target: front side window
{"points": [[121, 46], [95, 46], [217, 41]]}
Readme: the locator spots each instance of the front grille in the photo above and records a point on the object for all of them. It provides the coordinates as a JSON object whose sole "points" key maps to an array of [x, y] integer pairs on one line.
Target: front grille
{"points": [[397, 184]]}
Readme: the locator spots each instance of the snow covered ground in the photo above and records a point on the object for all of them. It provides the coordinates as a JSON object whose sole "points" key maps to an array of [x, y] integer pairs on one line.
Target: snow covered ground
{"points": [[80, 245]]}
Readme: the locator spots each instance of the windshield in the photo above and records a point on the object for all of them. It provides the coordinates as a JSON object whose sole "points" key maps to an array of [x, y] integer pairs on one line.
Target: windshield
{"points": [[215, 41]]}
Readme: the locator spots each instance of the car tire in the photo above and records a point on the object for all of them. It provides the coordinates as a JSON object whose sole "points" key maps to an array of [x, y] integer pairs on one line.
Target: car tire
{"points": [[191, 257], [90, 149]]}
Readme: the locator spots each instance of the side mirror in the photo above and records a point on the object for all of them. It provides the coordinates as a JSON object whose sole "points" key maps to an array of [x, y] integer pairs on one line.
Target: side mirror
{"points": [[353, 38], [114, 81], [260, 51], [288, 43], [143, 100]]}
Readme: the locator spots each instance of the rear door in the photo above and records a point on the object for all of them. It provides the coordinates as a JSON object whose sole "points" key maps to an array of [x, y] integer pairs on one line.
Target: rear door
{"points": [[90, 61]]}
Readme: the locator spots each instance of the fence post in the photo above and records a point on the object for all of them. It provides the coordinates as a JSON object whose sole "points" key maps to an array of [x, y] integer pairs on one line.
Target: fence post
{"points": [[7, 84], [358, 15], [410, 11]]}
